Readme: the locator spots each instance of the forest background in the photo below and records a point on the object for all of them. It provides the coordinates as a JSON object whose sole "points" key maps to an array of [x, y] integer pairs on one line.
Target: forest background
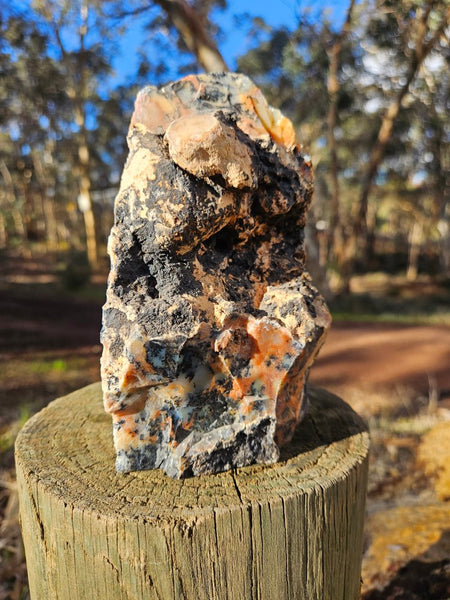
{"points": [[366, 84], [367, 93]]}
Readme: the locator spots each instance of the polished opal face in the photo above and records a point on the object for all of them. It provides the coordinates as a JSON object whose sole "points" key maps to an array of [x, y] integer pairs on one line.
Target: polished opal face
{"points": [[211, 322]]}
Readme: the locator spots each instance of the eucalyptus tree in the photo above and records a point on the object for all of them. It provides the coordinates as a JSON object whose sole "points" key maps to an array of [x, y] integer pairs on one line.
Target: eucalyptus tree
{"points": [[179, 36], [304, 72], [83, 43], [60, 117], [407, 32], [30, 97], [353, 93]]}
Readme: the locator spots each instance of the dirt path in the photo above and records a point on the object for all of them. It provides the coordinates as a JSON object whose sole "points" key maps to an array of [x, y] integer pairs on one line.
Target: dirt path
{"points": [[386, 356], [34, 323], [354, 354]]}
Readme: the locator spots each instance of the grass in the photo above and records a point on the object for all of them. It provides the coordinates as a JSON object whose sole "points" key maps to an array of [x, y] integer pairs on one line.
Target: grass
{"points": [[380, 298], [43, 370], [46, 366], [9, 433], [43, 367], [437, 318]]}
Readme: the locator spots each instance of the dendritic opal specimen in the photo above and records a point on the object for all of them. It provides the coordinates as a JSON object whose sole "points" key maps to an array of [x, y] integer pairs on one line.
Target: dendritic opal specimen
{"points": [[211, 322]]}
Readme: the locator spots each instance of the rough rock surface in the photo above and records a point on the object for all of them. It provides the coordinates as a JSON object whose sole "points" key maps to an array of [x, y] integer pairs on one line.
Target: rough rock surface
{"points": [[211, 322], [434, 457], [400, 537]]}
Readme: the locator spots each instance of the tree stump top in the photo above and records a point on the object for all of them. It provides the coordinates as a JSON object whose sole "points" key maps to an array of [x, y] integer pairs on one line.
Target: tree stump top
{"points": [[68, 448]]}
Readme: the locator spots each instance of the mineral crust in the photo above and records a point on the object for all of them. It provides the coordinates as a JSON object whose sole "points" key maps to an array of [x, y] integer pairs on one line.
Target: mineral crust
{"points": [[211, 322]]}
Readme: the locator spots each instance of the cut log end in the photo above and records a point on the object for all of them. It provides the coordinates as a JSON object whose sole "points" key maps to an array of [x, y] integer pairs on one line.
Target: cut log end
{"points": [[285, 531]]}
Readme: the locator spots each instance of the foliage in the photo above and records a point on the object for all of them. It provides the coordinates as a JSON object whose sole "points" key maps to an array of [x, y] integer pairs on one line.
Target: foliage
{"points": [[389, 128], [368, 98], [54, 111]]}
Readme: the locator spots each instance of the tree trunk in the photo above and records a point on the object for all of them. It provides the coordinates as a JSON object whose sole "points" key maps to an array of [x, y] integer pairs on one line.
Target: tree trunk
{"points": [[444, 254], [3, 232], [421, 50], [78, 93], [414, 240], [336, 247], [48, 210], [193, 33], [85, 205], [16, 214], [287, 531]]}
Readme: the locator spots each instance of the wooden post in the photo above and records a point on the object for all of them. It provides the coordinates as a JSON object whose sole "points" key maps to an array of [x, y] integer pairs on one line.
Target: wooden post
{"points": [[282, 532]]}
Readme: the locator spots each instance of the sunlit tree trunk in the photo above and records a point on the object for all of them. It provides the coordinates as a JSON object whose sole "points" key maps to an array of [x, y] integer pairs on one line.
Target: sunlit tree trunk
{"points": [[336, 238], [16, 214], [444, 246], [3, 227], [3, 234], [83, 148], [48, 209], [414, 242], [194, 34], [85, 200], [78, 92], [191, 27]]}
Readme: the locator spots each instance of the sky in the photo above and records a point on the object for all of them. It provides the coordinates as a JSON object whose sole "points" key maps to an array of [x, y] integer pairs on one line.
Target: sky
{"points": [[275, 13]]}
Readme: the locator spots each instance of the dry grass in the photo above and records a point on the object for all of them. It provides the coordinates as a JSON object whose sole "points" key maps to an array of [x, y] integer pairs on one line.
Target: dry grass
{"points": [[13, 574]]}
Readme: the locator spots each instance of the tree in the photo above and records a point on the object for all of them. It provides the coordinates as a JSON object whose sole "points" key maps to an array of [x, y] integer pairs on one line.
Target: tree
{"points": [[367, 100], [29, 99], [191, 27], [58, 114], [301, 73], [187, 26], [346, 91], [69, 134], [419, 26], [83, 65], [336, 239]]}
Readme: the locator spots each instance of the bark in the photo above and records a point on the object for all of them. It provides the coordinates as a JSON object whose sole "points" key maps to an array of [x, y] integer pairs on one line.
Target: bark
{"points": [[83, 148], [414, 240], [85, 191], [191, 29], [444, 254], [78, 92], [48, 209], [193, 33], [16, 214], [336, 241], [3, 229]]}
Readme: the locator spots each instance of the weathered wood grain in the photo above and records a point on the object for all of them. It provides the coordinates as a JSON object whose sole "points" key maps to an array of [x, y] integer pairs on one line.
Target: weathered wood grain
{"points": [[288, 531]]}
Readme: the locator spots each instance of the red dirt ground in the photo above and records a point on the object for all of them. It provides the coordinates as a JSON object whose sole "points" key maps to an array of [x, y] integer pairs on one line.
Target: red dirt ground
{"points": [[385, 355], [371, 355]]}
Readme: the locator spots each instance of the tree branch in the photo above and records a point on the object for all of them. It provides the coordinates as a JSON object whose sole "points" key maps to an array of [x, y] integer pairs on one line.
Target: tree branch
{"points": [[197, 40], [188, 23], [421, 51], [132, 13]]}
